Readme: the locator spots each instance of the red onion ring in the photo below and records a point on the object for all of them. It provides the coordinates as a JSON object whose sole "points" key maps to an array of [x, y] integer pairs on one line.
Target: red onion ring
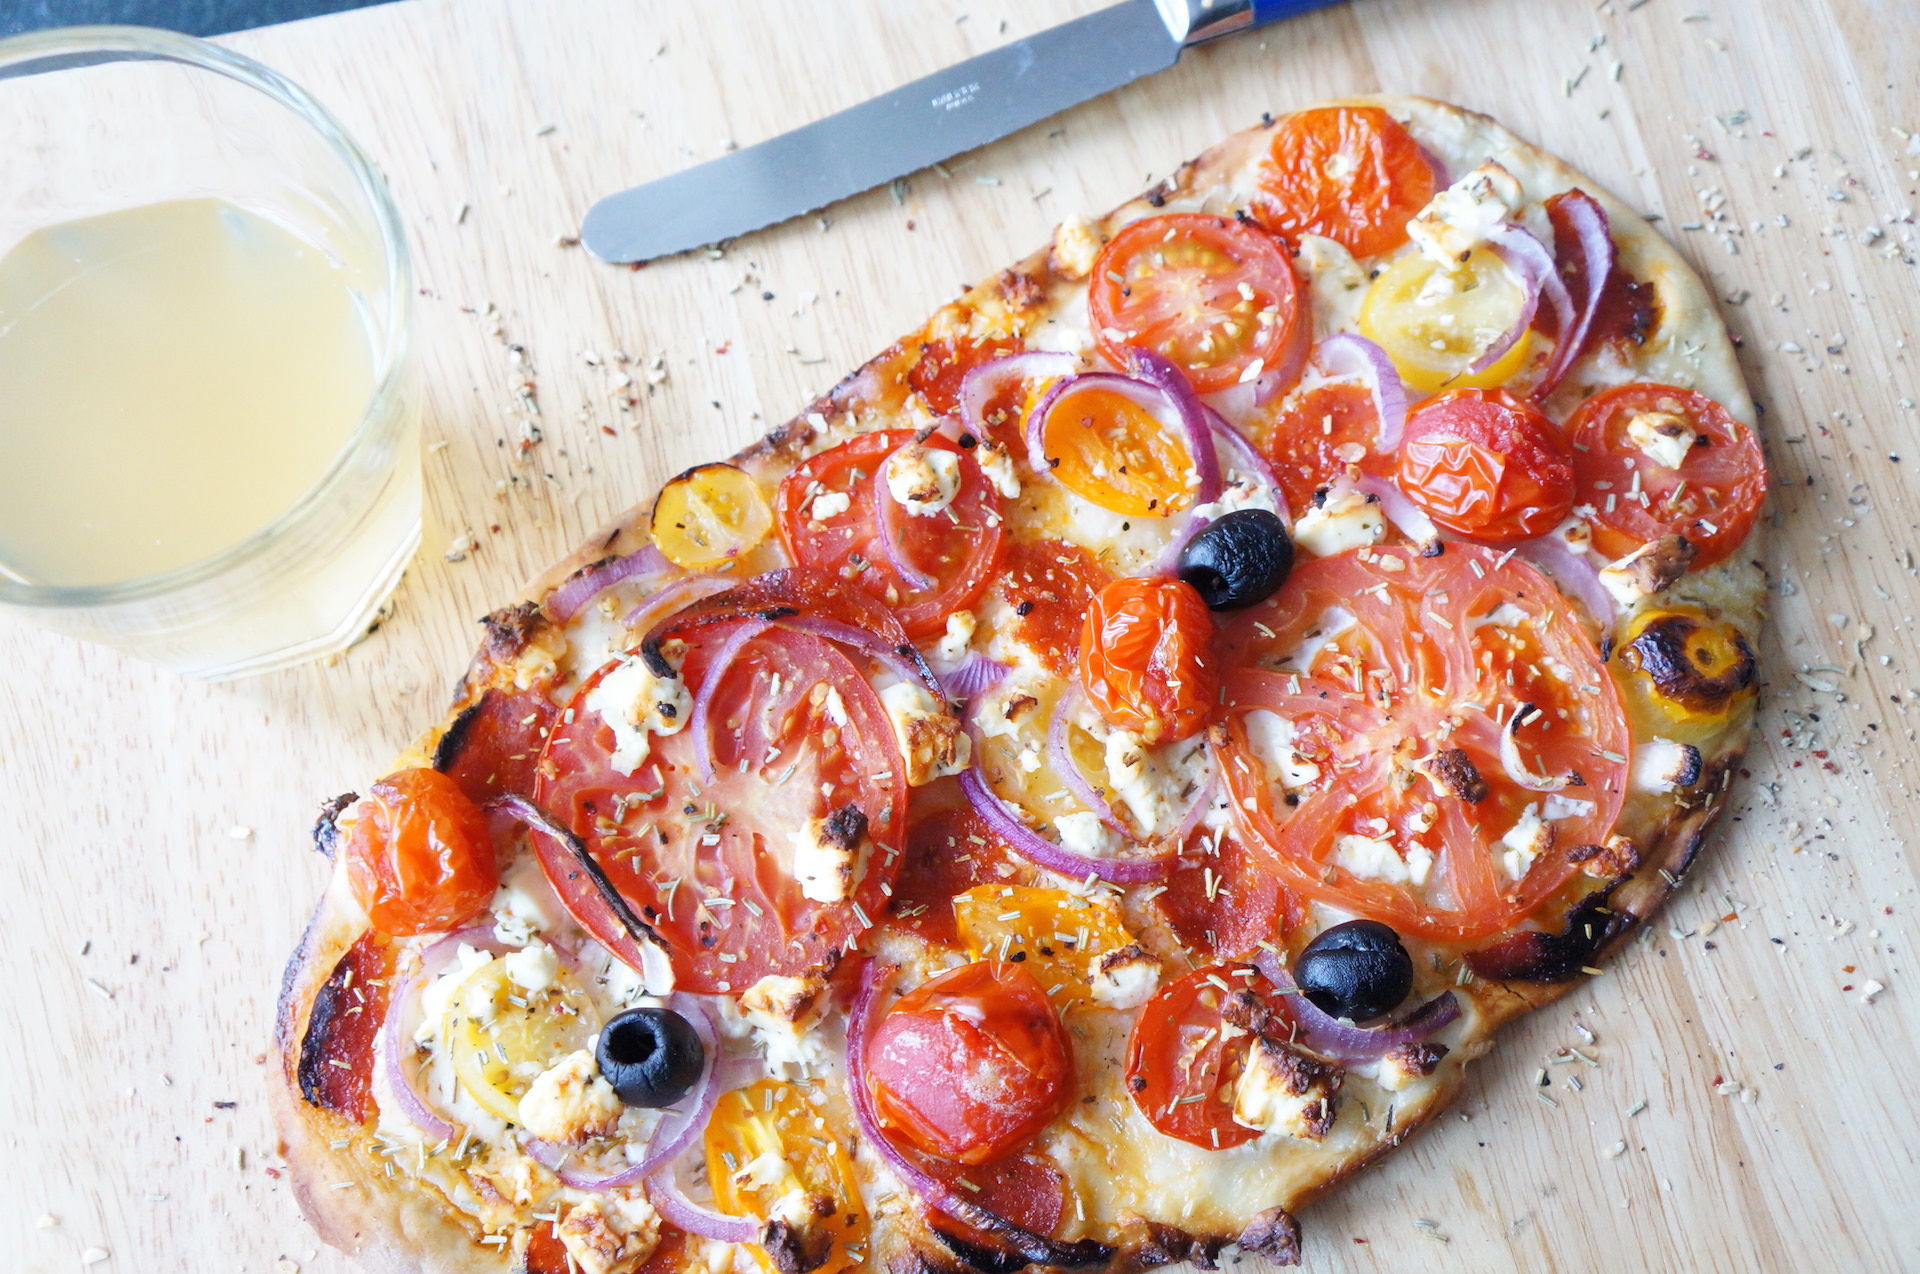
{"points": [[1539, 275], [1156, 387], [1063, 764], [682, 592], [1238, 403], [1400, 509], [1589, 221], [1037, 849], [977, 675], [390, 1044], [1159, 372], [1516, 766], [1332, 1038], [890, 515], [1244, 455], [935, 1193], [982, 384], [673, 1134], [1570, 570], [697, 720], [671, 1201], [905, 659], [566, 601], [1345, 354]]}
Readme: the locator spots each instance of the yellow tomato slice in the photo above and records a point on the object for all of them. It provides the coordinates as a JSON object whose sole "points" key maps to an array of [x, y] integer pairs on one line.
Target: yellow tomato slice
{"points": [[1109, 449], [1056, 934], [1433, 322], [710, 515], [501, 1036], [1684, 673], [771, 1138]]}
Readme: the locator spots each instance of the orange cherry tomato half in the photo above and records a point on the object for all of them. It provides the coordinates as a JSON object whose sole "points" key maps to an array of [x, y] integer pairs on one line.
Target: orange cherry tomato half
{"points": [[1487, 466], [419, 859], [1322, 431], [1182, 1065], [1207, 293], [1711, 499], [1104, 445], [1146, 659], [971, 1063], [1348, 173]]}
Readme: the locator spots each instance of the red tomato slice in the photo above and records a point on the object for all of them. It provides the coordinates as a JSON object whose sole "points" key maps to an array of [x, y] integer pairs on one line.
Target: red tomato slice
{"points": [[710, 864], [949, 851], [1207, 293], [1405, 657], [1711, 499], [1322, 431], [958, 548], [1182, 1066], [971, 1063], [1348, 173], [1486, 465]]}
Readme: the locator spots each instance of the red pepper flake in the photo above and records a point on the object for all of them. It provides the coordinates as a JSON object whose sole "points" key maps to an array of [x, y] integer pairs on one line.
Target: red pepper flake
{"points": [[1715, 1082], [1846, 968], [274, 1173], [724, 347], [1847, 987], [1703, 153]]}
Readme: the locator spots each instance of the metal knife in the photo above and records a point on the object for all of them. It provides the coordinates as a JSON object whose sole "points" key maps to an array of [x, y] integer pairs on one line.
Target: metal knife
{"points": [[922, 123]]}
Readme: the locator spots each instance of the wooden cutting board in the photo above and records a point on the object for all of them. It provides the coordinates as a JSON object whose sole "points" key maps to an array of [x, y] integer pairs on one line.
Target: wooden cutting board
{"points": [[155, 853]]}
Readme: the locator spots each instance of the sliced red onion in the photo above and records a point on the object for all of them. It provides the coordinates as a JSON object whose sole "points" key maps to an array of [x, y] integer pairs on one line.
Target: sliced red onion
{"points": [[723, 658], [1400, 510], [680, 593], [673, 1134], [1539, 276], [1345, 354], [1344, 1042], [935, 1193], [1239, 403], [1575, 575], [1516, 766], [1036, 848], [905, 659], [670, 1199], [1158, 388], [392, 1042], [892, 518], [982, 384], [1061, 757], [977, 675], [566, 601], [1589, 222], [1163, 375]]}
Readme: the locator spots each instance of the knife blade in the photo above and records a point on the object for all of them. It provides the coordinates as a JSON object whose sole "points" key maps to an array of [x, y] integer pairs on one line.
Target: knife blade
{"points": [[933, 118]]}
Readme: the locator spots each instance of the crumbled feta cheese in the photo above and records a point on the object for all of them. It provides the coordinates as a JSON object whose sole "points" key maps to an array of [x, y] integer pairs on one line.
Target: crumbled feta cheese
{"points": [[1333, 621], [517, 907], [1285, 1091], [533, 968], [1526, 840], [1076, 244], [996, 462], [1649, 569], [1336, 282], [958, 640], [1126, 758], [1556, 807], [570, 1101], [1505, 615], [1373, 859], [764, 1171], [830, 504], [781, 999], [636, 704], [1125, 978], [1272, 738], [1460, 217], [1342, 520], [826, 857], [923, 480], [1082, 832], [1245, 491], [1662, 437], [780, 1014], [1661, 765], [833, 705], [609, 1233], [1409, 1062], [932, 741]]}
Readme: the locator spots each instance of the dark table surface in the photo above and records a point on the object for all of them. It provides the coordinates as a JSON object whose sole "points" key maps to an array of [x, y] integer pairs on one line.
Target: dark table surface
{"points": [[195, 17]]}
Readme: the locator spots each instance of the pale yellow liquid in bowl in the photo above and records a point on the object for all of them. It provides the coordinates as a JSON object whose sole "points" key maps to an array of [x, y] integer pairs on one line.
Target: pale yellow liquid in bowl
{"points": [[172, 379]]}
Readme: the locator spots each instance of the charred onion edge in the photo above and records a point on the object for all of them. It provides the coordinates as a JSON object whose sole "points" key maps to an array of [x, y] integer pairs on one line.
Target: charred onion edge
{"points": [[539, 821], [1036, 1249]]}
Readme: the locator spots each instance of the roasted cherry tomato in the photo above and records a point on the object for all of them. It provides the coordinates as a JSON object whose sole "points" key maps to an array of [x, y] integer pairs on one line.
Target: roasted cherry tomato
{"points": [[1485, 465], [1348, 173], [1187, 1049], [1371, 715], [419, 858], [1322, 431], [1145, 658], [955, 550], [1054, 934], [1711, 497], [971, 1063], [1209, 294], [710, 515], [1436, 323], [945, 362], [1106, 445], [771, 1138]]}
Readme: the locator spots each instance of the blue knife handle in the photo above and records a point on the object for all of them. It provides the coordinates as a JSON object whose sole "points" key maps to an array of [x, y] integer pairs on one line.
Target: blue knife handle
{"points": [[1197, 21]]}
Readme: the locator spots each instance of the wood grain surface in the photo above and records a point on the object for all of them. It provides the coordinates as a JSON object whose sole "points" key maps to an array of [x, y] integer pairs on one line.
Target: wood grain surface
{"points": [[154, 854]]}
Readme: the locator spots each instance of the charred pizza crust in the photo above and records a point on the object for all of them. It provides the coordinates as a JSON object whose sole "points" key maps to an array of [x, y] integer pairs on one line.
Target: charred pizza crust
{"points": [[334, 985]]}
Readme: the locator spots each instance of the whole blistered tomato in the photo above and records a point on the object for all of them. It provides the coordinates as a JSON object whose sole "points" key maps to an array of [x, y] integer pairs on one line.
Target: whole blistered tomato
{"points": [[971, 1063], [418, 856], [1487, 466], [1348, 173], [1146, 659]]}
